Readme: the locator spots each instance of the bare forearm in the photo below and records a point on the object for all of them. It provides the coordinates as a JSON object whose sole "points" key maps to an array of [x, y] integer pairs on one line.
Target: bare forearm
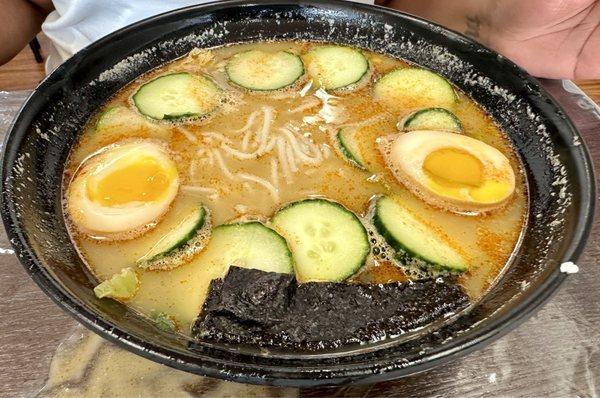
{"points": [[20, 21]]}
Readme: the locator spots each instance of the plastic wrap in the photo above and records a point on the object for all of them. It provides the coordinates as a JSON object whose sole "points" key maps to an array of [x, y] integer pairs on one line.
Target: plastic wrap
{"points": [[554, 354]]}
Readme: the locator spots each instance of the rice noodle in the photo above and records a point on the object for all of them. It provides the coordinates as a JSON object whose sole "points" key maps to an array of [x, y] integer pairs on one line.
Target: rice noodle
{"points": [[268, 113], [310, 103], [263, 136], [193, 169], [371, 120], [249, 122], [284, 94], [270, 145], [241, 209], [245, 176], [206, 155], [195, 189], [313, 148], [290, 158], [324, 95], [293, 148], [261, 181], [222, 165], [246, 140], [331, 112], [217, 136], [298, 152], [292, 127], [326, 151], [274, 173], [305, 141], [280, 143], [306, 88], [239, 154], [188, 134]]}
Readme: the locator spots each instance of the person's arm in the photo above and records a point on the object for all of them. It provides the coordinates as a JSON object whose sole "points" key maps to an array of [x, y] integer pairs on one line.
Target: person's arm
{"points": [[20, 21], [548, 38]]}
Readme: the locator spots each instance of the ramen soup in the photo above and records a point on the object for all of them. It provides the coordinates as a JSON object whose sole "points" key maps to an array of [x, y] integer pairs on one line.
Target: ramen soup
{"points": [[339, 177]]}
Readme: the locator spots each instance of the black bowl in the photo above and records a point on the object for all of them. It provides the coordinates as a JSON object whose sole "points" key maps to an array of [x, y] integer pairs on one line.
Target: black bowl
{"points": [[558, 169]]}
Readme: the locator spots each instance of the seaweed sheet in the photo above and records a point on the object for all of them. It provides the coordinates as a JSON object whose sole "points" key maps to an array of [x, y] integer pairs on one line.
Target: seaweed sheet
{"points": [[262, 308]]}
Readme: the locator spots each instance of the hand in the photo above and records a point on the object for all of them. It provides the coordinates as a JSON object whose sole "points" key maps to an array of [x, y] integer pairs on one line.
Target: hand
{"points": [[548, 38]]}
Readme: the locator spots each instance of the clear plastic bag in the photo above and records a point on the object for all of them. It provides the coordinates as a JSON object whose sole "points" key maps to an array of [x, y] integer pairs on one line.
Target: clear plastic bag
{"points": [[554, 354]]}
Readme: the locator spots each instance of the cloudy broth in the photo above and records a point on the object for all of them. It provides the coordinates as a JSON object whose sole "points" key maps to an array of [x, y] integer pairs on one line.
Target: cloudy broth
{"points": [[235, 187]]}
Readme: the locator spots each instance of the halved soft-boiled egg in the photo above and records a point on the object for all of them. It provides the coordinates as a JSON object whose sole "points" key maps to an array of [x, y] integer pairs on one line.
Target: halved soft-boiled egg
{"points": [[123, 189], [448, 170]]}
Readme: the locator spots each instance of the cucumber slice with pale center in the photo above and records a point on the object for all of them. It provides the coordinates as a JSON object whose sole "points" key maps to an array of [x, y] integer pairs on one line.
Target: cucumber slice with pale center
{"points": [[264, 71], [336, 67], [415, 242], [432, 119], [176, 96], [248, 245], [349, 147], [411, 88], [120, 122], [175, 248], [328, 241], [110, 117]]}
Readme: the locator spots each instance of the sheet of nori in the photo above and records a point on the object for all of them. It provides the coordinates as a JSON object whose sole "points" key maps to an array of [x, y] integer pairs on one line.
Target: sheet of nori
{"points": [[269, 309]]}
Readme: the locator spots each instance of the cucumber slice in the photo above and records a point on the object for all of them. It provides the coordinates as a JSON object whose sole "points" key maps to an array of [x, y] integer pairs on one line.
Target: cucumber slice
{"points": [[329, 243], [181, 243], [264, 71], [177, 95], [110, 117], [121, 286], [118, 122], [115, 124], [349, 147], [415, 242], [336, 67], [411, 88], [121, 121], [432, 119], [248, 245]]}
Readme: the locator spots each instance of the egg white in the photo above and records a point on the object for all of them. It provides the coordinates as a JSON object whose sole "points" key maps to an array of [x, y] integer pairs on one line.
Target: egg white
{"points": [[127, 220], [405, 155]]}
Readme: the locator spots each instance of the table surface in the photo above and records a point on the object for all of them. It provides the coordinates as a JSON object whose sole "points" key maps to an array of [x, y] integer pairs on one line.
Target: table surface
{"points": [[554, 354]]}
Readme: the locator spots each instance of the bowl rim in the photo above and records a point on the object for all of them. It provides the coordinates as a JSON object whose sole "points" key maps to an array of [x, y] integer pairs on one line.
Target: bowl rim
{"points": [[358, 373]]}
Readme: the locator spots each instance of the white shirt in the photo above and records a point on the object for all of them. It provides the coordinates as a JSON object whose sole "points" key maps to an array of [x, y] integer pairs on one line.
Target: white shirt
{"points": [[76, 23]]}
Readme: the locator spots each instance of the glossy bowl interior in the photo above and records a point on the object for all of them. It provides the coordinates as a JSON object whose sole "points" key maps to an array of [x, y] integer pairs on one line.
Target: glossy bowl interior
{"points": [[558, 169]]}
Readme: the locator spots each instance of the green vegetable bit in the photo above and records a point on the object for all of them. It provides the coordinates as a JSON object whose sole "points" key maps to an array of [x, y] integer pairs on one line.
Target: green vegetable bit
{"points": [[121, 286], [163, 321]]}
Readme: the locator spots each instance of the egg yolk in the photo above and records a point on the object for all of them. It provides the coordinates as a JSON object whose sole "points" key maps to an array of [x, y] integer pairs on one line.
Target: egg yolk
{"points": [[143, 180], [454, 168]]}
